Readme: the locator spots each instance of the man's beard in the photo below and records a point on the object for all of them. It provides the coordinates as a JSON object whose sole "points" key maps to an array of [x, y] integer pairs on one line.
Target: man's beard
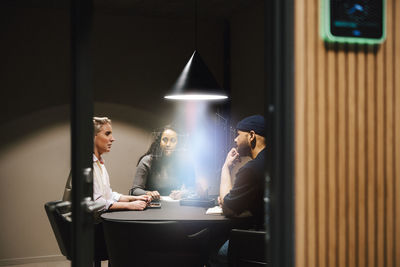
{"points": [[243, 150]]}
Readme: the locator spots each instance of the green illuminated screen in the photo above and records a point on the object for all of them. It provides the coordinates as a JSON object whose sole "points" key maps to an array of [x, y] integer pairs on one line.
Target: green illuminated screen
{"points": [[353, 21]]}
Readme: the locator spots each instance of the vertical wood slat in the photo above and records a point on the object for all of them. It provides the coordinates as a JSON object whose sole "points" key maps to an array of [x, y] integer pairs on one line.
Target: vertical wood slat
{"points": [[370, 104], [361, 167], [388, 235], [347, 138], [310, 131], [341, 157], [389, 195], [351, 159], [396, 104], [380, 88], [300, 139], [331, 168], [321, 153]]}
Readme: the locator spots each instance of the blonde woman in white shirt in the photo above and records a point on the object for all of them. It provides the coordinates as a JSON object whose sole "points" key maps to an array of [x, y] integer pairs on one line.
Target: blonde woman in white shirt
{"points": [[102, 192]]}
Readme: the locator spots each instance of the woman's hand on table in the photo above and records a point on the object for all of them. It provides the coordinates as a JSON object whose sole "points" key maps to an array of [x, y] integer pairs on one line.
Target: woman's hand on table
{"points": [[175, 194], [179, 194], [136, 205], [126, 198], [153, 194], [145, 198]]}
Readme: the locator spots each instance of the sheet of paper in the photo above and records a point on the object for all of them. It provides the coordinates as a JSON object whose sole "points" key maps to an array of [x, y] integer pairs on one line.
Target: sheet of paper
{"points": [[214, 211]]}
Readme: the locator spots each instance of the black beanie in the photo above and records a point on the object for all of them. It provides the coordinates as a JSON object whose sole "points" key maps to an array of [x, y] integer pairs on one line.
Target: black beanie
{"points": [[255, 123]]}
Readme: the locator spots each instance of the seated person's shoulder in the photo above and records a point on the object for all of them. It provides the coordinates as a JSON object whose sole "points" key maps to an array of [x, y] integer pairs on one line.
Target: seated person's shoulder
{"points": [[252, 168], [249, 172], [146, 161], [245, 191]]}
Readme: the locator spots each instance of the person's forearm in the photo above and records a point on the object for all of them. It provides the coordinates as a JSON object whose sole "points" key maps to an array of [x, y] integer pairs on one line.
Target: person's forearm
{"points": [[226, 183], [119, 206], [227, 211], [125, 198]]}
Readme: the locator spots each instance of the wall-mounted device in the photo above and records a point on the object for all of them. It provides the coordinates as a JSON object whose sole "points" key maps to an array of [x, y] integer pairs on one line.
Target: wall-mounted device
{"points": [[353, 21]]}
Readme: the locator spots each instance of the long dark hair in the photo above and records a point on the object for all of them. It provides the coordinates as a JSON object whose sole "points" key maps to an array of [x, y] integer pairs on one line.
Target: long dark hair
{"points": [[155, 150]]}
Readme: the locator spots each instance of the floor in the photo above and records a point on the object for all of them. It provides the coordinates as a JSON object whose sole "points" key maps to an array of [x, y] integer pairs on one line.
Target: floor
{"points": [[51, 264]]}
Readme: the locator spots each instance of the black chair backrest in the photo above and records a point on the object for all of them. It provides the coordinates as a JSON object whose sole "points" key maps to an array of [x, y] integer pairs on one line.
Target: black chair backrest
{"points": [[59, 214], [61, 224], [247, 248], [155, 243]]}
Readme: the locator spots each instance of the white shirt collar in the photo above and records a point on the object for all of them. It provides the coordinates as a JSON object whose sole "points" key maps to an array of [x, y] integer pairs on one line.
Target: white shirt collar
{"points": [[101, 160]]}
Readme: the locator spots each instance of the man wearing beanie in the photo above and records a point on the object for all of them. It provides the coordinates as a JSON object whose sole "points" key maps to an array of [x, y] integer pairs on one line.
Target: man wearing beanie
{"points": [[246, 194]]}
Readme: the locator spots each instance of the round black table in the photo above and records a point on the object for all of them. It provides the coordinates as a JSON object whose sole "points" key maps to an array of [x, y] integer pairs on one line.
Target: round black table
{"points": [[169, 211], [173, 235]]}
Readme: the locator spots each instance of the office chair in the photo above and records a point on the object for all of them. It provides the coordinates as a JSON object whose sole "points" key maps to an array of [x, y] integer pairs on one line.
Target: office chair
{"points": [[155, 243], [247, 248], [60, 220]]}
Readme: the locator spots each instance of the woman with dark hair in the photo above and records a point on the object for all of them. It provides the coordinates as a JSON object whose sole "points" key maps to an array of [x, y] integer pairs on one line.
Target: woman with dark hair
{"points": [[161, 170]]}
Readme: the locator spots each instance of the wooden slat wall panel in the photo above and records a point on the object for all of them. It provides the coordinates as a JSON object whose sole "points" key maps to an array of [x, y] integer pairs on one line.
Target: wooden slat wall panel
{"points": [[361, 162], [352, 159], [396, 149], [389, 144], [371, 138], [347, 154], [310, 136], [321, 153], [379, 151], [300, 216], [331, 169], [341, 142]]}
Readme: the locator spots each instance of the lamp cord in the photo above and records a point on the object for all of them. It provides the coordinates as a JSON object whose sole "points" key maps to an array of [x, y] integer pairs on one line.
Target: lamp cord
{"points": [[195, 25]]}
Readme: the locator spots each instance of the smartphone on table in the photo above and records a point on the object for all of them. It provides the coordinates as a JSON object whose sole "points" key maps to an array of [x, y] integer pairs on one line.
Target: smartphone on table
{"points": [[154, 205]]}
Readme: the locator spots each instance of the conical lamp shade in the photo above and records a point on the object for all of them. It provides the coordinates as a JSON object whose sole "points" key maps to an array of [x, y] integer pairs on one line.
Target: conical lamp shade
{"points": [[196, 83]]}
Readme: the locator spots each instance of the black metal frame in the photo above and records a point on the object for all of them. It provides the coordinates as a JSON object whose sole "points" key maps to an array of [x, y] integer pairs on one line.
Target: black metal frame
{"points": [[81, 132], [279, 56]]}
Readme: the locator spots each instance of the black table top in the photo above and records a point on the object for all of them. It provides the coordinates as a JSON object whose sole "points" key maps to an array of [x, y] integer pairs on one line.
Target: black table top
{"points": [[169, 211]]}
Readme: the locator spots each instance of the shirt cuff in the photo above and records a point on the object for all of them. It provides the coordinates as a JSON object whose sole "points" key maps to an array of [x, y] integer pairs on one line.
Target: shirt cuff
{"points": [[115, 196], [109, 203]]}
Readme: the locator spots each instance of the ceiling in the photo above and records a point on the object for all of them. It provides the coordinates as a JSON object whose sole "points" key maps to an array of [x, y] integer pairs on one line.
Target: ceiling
{"points": [[176, 8], [150, 8]]}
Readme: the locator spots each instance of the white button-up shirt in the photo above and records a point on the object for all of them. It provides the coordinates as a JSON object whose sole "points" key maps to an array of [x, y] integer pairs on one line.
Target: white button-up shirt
{"points": [[102, 192]]}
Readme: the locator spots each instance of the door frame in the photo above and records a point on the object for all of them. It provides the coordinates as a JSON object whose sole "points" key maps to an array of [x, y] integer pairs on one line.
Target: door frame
{"points": [[279, 112]]}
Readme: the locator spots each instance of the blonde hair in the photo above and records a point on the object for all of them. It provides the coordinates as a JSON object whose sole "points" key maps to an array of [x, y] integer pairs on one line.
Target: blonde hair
{"points": [[98, 122]]}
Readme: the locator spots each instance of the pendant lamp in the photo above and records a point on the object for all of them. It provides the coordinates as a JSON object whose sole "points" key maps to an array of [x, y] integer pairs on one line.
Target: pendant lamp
{"points": [[196, 82]]}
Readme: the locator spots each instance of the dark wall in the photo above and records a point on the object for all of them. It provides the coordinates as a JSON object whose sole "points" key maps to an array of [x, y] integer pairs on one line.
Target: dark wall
{"points": [[247, 70], [35, 61], [135, 59]]}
